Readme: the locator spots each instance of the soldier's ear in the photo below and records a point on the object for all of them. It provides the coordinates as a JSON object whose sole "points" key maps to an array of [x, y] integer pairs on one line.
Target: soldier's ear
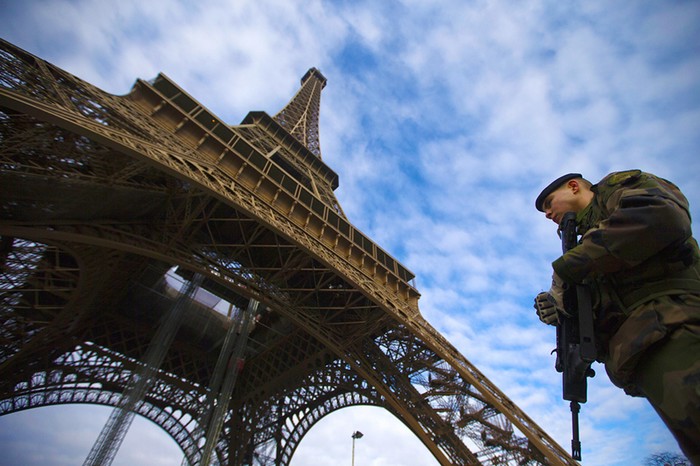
{"points": [[574, 186]]}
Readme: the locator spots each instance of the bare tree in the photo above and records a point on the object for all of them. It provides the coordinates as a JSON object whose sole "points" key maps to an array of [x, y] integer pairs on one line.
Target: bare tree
{"points": [[666, 459]]}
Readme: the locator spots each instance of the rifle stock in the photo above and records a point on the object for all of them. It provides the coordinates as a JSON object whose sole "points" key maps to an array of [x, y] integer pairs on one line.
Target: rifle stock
{"points": [[575, 340]]}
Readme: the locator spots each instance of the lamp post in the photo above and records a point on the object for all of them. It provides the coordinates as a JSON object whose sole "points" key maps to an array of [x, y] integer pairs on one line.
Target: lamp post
{"points": [[357, 434]]}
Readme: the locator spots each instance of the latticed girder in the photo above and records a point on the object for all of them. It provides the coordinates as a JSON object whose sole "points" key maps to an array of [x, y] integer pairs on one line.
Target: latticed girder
{"points": [[114, 431], [471, 417], [448, 409], [279, 422], [36, 282], [233, 204], [300, 117], [293, 157], [93, 375]]}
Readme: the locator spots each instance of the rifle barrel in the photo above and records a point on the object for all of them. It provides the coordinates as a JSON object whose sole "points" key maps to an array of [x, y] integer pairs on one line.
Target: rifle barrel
{"points": [[575, 442]]}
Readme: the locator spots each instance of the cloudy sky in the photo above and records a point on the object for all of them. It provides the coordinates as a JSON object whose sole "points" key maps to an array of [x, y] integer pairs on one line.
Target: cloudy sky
{"points": [[443, 119]]}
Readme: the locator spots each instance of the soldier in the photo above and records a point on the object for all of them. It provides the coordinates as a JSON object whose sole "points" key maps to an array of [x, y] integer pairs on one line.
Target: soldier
{"points": [[639, 258]]}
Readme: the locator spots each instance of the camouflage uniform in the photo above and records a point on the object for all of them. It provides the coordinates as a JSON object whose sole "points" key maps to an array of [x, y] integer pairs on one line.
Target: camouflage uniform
{"points": [[639, 257]]}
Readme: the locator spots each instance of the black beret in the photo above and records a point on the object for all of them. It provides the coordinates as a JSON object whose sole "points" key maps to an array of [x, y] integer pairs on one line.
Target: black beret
{"points": [[553, 186]]}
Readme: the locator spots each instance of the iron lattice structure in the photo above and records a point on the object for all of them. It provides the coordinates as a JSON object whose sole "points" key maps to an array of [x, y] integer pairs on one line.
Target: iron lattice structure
{"points": [[103, 195]]}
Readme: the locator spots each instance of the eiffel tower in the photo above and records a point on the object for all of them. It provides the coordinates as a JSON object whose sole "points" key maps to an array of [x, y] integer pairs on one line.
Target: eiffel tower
{"points": [[203, 275]]}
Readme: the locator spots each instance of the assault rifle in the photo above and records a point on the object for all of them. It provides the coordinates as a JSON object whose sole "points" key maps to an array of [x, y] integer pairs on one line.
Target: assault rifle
{"points": [[575, 341]]}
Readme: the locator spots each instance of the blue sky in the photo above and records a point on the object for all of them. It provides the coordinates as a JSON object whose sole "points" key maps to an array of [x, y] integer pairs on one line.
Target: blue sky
{"points": [[443, 120]]}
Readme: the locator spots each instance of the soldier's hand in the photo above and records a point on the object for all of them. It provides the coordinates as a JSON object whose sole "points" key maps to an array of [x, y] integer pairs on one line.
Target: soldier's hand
{"points": [[547, 309], [549, 304]]}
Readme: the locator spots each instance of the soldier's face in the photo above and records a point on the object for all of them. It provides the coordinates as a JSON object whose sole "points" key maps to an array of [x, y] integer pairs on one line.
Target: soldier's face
{"points": [[561, 201]]}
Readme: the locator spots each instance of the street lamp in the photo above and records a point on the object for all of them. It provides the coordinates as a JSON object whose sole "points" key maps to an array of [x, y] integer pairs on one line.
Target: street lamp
{"points": [[355, 435]]}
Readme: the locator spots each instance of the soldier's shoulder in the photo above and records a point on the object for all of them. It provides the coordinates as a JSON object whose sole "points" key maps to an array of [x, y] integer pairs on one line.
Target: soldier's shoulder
{"points": [[621, 178], [611, 188]]}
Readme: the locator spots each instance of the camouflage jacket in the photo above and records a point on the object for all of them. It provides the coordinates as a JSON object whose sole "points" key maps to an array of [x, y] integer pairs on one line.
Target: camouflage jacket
{"points": [[636, 247]]}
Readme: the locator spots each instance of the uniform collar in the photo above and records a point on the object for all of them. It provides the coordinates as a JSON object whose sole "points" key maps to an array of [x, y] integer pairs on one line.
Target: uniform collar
{"points": [[587, 217]]}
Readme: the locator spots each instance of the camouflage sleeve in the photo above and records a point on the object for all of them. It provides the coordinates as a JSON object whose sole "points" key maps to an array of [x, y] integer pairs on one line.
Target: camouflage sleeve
{"points": [[643, 221]]}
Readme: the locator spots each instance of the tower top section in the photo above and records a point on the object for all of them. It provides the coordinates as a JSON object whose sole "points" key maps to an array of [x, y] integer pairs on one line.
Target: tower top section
{"points": [[300, 117], [316, 74]]}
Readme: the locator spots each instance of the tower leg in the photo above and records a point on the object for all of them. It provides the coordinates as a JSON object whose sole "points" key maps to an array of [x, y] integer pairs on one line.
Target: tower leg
{"points": [[232, 368], [110, 439]]}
